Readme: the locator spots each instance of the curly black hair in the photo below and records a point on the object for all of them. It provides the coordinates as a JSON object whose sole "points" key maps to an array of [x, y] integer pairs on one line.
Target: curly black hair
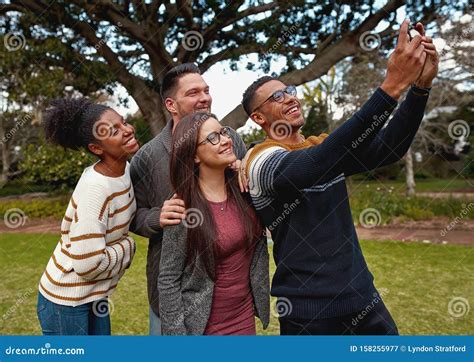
{"points": [[69, 122]]}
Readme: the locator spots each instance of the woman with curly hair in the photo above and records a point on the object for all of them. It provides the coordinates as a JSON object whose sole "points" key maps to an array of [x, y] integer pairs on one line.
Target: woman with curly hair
{"points": [[94, 249]]}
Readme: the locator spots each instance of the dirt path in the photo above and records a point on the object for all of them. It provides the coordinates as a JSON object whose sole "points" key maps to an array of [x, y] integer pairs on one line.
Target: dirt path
{"points": [[433, 231], [49, 225], [435, 236], [438, 230]]}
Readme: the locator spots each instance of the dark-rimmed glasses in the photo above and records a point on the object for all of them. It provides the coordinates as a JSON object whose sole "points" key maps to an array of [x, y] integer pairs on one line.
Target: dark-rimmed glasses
{"points": [[279, 95], [214, 138]]}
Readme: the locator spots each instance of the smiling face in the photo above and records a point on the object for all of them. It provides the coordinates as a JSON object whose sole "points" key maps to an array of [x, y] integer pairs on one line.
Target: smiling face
{"points": [[269, 111], [191, 95], [219, 155], [115, 137]]}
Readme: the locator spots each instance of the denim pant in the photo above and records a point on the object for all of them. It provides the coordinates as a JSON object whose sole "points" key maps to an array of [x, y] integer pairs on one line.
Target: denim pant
{"points": [[87, 319], [155, 324]]}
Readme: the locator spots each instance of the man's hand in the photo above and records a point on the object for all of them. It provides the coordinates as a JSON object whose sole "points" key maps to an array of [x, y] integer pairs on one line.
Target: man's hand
{"points": [[405, 64], [239, 167], [236, 167], [243, 177], [172, 212], [430, 69]]}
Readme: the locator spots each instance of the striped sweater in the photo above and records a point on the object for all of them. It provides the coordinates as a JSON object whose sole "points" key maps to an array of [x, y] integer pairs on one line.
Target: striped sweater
{"points": [[300, 194], [94, 249]]}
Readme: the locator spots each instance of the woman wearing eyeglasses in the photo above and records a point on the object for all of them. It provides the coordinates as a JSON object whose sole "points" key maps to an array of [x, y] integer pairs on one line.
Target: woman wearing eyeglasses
{"points": [[213, 277]]}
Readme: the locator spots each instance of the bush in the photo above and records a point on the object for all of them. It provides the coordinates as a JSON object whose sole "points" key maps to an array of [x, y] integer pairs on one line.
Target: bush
{"points": [[20, 187], [468, 168], [253, 135], [53, 165], [142, 129], [393, 205], [37, 208]]}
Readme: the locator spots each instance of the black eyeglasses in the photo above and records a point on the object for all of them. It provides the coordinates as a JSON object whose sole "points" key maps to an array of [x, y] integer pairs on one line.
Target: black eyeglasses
{"points": [[214, 138], [279, 95]]}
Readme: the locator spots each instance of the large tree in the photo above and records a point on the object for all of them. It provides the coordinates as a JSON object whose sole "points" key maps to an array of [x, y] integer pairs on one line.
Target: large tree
{"points": [[30, 75], [141, 40], [447, 112]]}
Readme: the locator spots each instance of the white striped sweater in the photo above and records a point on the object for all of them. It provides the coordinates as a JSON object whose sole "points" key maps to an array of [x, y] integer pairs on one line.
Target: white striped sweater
{"points": [[94, 249]]}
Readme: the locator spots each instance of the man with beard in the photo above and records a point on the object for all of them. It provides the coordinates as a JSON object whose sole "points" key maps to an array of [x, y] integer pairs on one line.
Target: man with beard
{"points": [[183, 91]]}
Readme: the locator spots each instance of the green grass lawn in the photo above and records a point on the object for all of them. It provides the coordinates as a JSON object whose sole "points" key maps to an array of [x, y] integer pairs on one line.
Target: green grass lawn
{"points": [[417, 281]]}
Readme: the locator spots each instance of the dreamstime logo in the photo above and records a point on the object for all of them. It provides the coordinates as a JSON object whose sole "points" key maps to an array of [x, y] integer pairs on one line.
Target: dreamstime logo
{"points": [[103, 307], [18, 302], [465, 210], [377, 297], [370, 218], [458, 307], [14, 218], [282, 307], [285, 36], [102, 130], [193, 307], [192, 40], [192, 131], [103, 42], [458, 130], [288, 209], [369, 41], [377, 121], [18, 125], [47, 350], [465, 33], [194, 218], [14, 42], [99, 44], [280, 130]]}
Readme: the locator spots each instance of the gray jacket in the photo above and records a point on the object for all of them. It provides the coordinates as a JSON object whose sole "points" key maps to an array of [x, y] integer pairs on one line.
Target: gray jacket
{"points": [[149, 170], [186, 292]]}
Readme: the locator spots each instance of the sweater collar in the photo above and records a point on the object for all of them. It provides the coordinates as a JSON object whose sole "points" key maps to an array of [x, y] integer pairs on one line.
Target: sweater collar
{"points": [[167, 135], [308, 142]]}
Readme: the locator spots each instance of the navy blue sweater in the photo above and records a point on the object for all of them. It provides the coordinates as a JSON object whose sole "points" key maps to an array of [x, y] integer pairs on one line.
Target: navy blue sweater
{"points": [[300, 194]]}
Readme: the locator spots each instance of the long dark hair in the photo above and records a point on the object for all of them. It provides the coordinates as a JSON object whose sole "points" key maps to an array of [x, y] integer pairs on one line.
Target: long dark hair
{"points": [[184, 172]]}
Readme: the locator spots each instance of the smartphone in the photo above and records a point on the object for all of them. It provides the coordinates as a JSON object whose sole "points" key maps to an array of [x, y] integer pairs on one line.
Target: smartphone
{"points": [[412, 32]]}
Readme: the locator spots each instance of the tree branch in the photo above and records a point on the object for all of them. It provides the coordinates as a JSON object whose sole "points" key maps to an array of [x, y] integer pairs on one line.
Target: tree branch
{"points": [[185, 8], [219, 25], [4, 8], [151, 41], [227, 54], [346, 46]]}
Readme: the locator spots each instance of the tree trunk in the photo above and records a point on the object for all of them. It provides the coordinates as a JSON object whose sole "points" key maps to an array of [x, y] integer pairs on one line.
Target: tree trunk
{"points": [[410, 177], [5, 154], [236, 118], [155, 116]]}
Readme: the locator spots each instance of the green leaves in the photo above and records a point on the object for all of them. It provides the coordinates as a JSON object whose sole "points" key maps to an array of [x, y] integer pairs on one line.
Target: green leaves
{"points": [[54, 165]]}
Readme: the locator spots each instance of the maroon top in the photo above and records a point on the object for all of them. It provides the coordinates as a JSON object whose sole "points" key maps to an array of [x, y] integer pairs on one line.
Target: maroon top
{"points": [[232, 309]]}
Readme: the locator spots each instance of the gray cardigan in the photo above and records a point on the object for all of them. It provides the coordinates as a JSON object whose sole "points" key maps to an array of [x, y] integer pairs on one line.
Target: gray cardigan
{"points": [[186, 292], [150, 173]]}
